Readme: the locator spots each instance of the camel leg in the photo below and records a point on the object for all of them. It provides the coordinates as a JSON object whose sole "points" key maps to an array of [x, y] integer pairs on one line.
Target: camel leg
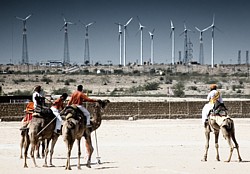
{"points": [[70, 145], [32, 151], [22, 144], [46, 152], [25, 156], [43, 149], [37, 150], [228, 135], [207, 135], [53, 143], [79, 152], [216, 134], [89, 148], [236, 146], [26, 147]]}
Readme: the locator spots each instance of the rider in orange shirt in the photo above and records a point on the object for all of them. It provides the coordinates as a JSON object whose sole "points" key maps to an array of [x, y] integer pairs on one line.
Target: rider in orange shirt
{"points": [[56, 107], [77, 98]]}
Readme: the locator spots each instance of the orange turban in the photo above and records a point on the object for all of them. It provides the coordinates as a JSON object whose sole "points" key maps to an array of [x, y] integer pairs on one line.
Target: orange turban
{"points": [[213, 86]]}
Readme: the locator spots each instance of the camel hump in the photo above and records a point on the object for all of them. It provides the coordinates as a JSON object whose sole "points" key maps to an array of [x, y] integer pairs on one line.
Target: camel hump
{"points": [[219, 119]]}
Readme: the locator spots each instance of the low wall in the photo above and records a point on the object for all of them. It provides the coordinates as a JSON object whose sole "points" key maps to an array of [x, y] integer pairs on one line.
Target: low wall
{"points": [[142, 110]]}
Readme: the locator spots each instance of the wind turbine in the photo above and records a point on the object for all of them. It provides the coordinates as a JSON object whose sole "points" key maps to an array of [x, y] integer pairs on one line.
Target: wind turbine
{"points": [[212, 54], [173, 42], [124, 40], [141, 30], [66, 58], [25, 57], [120, 40], [86, 49], [151, 34], [185, 32], [201, 55]]}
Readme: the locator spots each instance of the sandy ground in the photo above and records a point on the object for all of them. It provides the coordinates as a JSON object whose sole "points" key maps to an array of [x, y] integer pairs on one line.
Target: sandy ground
{"points": [[141, 146]]}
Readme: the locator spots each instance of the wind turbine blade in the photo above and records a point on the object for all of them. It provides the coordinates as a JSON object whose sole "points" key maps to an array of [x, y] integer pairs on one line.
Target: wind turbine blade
{"points": [[28, 17], [137, 32], [91, 23], [185, 27], [172, 25], [20, 18], [213, 19], [128, 21], [118, 23], [153, 31], [182, 33], [64, 20], [81, 22], [62, 27], [218, 29], [207, 28], [198, 29], [138, 19]]}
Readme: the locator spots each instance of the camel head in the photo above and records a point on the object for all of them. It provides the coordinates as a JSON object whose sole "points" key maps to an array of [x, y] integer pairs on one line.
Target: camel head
{"points": [[73, 115], [98, 109], [102, 103]]}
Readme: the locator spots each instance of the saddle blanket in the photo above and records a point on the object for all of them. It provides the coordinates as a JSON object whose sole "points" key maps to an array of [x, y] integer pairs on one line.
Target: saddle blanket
{"points": [[218, 119]]}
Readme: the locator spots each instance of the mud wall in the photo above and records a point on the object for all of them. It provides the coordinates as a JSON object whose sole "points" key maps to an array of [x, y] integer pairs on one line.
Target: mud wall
{"points": [[142, 110]]}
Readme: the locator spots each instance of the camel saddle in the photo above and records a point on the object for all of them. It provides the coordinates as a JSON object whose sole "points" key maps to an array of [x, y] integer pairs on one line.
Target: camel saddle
{"points": [[219, 113], [44, 113], [73, 111]]}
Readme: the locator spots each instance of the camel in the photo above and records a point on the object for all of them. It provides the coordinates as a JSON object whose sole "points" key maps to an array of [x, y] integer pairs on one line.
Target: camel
{"points": [[22, 145], [74, 128], [41, 128], [224, 123]]}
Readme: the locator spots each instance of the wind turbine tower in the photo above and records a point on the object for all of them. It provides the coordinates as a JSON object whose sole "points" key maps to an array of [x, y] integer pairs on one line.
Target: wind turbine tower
{"points": [[120, 40], [141, 30], [201, 55], [212, 54], [66, 58], [25, 57], [124, 40], [173, 42], [185, 32], [86, 49], [151, 34]]}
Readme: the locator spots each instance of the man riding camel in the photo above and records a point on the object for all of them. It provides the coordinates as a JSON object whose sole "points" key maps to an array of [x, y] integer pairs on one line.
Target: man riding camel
{"points": [[38, 98], [77, 98], [56, 107], [213, 97]]}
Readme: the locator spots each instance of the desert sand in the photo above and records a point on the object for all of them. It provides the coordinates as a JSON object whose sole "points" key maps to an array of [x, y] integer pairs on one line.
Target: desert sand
{"points": [[140, 146]]}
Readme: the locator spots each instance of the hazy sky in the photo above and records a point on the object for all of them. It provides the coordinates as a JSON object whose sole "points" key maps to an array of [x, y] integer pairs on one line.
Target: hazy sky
{"points": [[45, 40]]}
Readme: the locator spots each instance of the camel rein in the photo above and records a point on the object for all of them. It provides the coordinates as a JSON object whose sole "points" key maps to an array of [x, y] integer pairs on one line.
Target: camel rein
{"points": [[46, 126]]}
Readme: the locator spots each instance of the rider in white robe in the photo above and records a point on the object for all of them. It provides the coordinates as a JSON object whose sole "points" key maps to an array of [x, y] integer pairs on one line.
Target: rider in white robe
{"points": [[212, 97]]}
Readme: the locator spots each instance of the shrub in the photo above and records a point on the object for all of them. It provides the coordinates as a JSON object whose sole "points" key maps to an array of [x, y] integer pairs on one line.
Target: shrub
{"points": [[46, 79], [151, 86], [60, 91], [179, 89], [19, 92], [66, 83], [194, 88]]}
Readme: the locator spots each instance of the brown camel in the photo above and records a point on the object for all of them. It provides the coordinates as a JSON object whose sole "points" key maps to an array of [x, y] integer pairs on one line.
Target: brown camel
{"points": [[226, 125], [74, 128], [41, 128], [22, 145]]}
